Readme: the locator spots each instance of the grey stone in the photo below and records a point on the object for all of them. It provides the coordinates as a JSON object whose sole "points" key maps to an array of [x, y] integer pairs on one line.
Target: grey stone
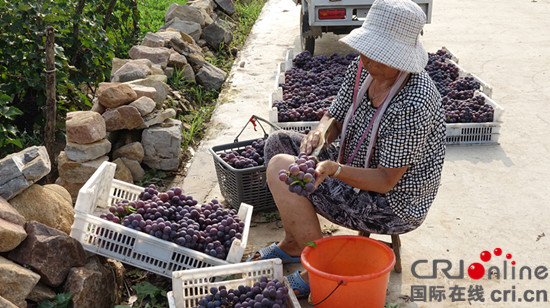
{"points": [[160, 85], [142, 91], [144, 105], [153, 40], [84, 152], [206, 5], [131, 71], [188, 74], [16, 282], [20, 170], [210, 76], [189, 27], [135, 168], [184, 12], [75, 172], [123, 117], [162, 145], [227, 6], [216, 34], [158, 55], [132, 150], [49, 252], [177, 60], [158, 117], [50, 205]]}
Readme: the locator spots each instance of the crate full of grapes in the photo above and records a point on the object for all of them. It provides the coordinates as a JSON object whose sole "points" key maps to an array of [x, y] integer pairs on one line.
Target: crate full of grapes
{"points": [[250, 284], [160, 232], [241, 173]]}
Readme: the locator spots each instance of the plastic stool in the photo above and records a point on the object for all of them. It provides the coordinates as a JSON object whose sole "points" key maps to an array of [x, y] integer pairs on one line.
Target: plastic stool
{"points": [[395, 245]]}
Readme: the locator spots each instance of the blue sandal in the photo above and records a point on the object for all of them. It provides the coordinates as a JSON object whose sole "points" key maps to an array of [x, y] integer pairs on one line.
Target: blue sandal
{"points": [[297, 283], [273, 251]]}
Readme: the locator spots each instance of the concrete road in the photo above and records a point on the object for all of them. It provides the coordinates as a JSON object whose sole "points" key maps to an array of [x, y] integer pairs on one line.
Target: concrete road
{"points": [[491, 196]]}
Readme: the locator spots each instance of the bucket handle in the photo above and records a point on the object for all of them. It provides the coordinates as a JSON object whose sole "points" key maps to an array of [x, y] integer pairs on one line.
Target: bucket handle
{"points": [[324, 299]]}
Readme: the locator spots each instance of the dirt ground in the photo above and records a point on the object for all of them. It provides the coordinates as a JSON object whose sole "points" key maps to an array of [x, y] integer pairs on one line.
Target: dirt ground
{"points": [[490, 197]]}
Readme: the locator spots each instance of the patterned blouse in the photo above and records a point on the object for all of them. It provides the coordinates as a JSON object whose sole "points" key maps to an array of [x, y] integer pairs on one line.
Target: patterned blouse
{"points": [[412, 132]]}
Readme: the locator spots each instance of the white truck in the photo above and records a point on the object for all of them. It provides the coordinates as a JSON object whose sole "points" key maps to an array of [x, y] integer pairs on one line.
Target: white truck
{"points": [[338, 17]]}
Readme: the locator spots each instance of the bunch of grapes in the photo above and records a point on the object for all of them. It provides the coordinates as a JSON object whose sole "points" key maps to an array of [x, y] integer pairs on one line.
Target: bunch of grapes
{"points": [[310, 85], [300, 175], [441, 72], [264, 293], [175, 217], [251, 156], [466, 111]]}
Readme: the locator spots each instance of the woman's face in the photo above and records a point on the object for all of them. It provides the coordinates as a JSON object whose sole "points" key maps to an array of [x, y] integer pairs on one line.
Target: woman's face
{"points": [[378, 70]]}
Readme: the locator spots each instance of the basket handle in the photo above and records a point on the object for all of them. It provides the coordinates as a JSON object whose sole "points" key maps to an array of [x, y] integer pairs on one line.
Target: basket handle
{"points": [[253, 119]]}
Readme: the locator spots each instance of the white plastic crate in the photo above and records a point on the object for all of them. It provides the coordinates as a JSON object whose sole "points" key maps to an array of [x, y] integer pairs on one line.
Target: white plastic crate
{"points": [[485, 88], [476, 133], [188, 287], [133, 247]]}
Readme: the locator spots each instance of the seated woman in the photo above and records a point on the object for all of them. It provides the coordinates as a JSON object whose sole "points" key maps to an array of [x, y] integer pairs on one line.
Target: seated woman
{"points": [[384, 175]]}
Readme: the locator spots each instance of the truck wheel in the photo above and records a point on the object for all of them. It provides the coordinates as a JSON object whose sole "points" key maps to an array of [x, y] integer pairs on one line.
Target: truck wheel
{"points": [[308, 42]]}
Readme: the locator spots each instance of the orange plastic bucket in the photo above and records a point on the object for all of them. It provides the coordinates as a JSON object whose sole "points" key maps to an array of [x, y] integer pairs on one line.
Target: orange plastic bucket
{"points": [[355, 269]]}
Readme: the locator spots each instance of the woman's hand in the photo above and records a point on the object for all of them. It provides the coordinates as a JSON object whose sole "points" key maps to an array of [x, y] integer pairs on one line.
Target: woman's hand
{"points": [[324, 169], [310, 141]]}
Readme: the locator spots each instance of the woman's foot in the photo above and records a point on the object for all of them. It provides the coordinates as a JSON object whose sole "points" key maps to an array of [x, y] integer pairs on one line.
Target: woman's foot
{"points": [[299, 281], [274, 251]]}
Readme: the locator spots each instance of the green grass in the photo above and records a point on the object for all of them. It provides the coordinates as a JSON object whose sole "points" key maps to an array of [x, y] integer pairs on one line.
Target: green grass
{"points": [[152, 13]]}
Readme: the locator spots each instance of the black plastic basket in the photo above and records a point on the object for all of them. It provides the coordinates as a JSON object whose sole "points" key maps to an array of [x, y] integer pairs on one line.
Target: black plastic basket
{"points": [[243, 185]]}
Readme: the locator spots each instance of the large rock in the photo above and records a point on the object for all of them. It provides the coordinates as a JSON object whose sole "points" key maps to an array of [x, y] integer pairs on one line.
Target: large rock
{"points": [[16, 282], [9, 213], [153, 40], [177, 60], [122, 173], [72, 188], [158, 55], [76, 172], [85, 152], [216, 34], [159, 83], [144, 104], [135, 168], [162, 145], [93, 285], [131, 71], [132, 150], [207, 5], [50, 205], [117, 94], [189, 27], [210, 77], [85, 127], [49, 252], [12, 223], [143, 91], [20, 170], [184, 12], [117, 63], [158, 117], [41, 292], [173, 39], [188, 74], [227, 6], [4, 303], [123, 117]]}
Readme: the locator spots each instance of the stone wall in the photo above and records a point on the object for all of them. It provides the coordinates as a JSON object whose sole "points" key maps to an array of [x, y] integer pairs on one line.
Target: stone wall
{"points": [[128, 123]]}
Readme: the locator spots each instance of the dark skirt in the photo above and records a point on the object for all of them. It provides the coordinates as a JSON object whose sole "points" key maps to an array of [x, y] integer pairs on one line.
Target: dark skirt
{"points": [[337, 201]]}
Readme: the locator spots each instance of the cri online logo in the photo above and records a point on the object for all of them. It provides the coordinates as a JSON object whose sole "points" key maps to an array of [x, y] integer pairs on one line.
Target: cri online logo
{"points": [[476, 270]]}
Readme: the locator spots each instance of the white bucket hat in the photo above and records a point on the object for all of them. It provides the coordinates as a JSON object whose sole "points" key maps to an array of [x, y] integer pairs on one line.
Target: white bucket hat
{"points": [[390, 35]]}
